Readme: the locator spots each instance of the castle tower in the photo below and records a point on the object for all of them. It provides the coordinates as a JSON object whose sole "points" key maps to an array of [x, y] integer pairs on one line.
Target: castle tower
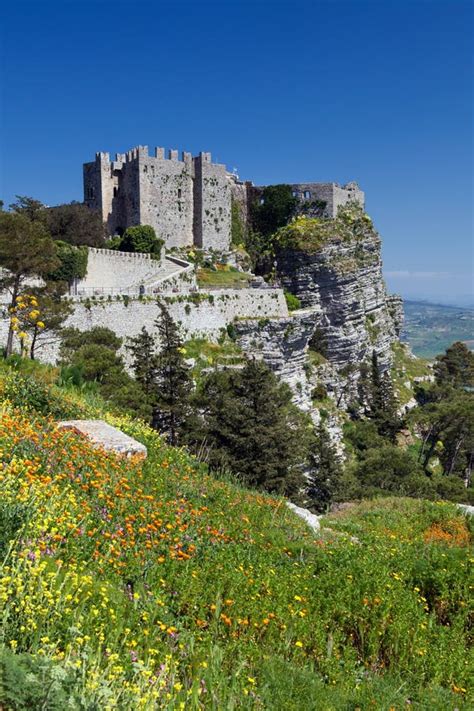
{"points": [[186, 201], [212, 204]]}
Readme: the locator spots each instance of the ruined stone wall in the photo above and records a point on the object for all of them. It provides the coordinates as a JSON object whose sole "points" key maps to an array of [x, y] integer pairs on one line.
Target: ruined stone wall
{"points": [[331, 193], [240, 197]]}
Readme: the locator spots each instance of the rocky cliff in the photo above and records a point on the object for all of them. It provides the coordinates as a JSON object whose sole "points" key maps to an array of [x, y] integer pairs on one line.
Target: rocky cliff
{"points": [[334, 267]]}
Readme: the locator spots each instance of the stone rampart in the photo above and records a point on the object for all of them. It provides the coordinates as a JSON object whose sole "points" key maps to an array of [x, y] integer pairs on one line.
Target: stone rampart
{"points": [[108, 268], [198, 314]]}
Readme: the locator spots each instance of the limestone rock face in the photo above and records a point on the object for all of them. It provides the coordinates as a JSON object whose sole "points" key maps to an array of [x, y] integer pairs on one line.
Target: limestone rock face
{"points": [[346, 313], [282, 343], [353, 315]]}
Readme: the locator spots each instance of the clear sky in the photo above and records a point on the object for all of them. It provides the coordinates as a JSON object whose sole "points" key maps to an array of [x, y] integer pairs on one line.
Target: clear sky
{"points": [[378, 92]]}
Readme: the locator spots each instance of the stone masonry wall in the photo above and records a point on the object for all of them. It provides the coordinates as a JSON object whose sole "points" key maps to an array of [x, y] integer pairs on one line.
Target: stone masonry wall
{"points": [[204, 316], [331, 193], [186, 201], [108, 269], [212, 200], [166, 196]]}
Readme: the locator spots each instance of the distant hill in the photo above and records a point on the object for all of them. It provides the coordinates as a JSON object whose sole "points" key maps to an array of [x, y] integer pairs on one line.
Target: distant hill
{"points": [[431, 328]]}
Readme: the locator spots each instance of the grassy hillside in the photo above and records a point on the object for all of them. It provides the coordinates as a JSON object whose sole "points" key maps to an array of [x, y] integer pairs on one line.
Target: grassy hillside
{"points": [[130, 584]]}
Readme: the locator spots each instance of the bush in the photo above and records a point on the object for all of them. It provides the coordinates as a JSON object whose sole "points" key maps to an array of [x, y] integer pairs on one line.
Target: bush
{"points": [[73, 262], [292, 301], [319, 392], [30, 683], [142, 239]]}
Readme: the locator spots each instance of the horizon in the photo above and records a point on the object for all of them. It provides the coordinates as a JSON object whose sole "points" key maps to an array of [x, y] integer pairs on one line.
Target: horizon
{"points": [[332, 91]]}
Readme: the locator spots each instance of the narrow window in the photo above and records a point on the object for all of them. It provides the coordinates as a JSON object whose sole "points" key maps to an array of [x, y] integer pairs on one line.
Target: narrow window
{"points": [[179, 193], [179, 207], [307, 195], [115, 192], [295, 193], [262, 201]]}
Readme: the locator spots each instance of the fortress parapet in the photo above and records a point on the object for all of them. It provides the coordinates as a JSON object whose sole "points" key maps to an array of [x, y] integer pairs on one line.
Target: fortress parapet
{"points": [[187, 201]]}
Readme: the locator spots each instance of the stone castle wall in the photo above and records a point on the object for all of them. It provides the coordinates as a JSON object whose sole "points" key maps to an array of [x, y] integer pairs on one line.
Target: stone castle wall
{"points": [[186, 201], [333, 194], [203, 315], [110, 269]]}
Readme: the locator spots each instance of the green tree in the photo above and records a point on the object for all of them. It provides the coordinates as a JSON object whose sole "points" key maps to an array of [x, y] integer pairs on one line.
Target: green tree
{"points": [[29, 207], [390, 470], [145, 364], [53, 311], [249, 425], [171, 409], [275, 207], [76, 224], [324, 470], [383, 406], [141, 238], [93, 357], [455, 368], [292, 301], [448, 427], [26, 251], [73, 263]]}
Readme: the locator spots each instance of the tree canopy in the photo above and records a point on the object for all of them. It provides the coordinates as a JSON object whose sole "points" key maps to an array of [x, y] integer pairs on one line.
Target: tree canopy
{"points": [[249, 425], [141, 238]]}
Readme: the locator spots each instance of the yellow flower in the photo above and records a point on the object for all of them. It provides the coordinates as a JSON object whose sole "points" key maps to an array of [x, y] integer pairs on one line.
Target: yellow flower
{"points": [[298, 643], [40, 324]]}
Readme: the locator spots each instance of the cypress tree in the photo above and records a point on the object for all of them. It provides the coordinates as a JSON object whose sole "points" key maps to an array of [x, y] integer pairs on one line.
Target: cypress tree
{"points": [[325, 470], [173, 381], [383, 406], [145, 366]]}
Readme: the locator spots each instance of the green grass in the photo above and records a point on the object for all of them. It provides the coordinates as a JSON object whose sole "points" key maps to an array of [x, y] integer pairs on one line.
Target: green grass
{"points": [[208, 355], [405, 368], [223, 278], [132, 584]]}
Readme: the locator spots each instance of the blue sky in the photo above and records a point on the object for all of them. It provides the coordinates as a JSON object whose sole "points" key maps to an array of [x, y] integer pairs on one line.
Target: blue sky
{"points": [[378, 92]]}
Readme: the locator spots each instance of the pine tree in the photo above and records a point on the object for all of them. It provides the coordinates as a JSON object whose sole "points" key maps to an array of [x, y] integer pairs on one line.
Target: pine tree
{"points": [[455, 368], [383, 406], [145, 367], [250, 426], [325, 470], [174, 384]]}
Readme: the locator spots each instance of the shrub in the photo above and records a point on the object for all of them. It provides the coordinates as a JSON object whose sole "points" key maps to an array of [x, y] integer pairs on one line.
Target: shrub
{"points": [[143, 239], [292, 301], [73, 262]]}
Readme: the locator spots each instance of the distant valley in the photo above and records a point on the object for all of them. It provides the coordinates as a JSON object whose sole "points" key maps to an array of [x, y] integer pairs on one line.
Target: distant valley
{"points": [[431, 328]]}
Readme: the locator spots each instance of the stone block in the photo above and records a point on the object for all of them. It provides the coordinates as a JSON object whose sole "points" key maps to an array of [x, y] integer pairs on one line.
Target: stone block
{"points": [[103, 435]]}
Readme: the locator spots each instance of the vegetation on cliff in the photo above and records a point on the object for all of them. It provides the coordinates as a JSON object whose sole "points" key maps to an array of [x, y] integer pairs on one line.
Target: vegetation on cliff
{"points": [[311, 234], [135, 584]]}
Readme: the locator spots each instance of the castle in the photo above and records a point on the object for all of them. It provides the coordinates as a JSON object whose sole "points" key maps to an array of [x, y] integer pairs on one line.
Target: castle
{"points": [[189, 201]]}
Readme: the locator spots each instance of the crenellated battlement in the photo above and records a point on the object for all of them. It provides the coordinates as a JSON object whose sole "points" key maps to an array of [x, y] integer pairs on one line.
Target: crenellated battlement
{"points": [[136, 256], [185, 199], [160, 153]]}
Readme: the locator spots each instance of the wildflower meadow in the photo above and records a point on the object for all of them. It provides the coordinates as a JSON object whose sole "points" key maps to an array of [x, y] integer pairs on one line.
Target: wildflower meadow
{"points": [[143, 584]]}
